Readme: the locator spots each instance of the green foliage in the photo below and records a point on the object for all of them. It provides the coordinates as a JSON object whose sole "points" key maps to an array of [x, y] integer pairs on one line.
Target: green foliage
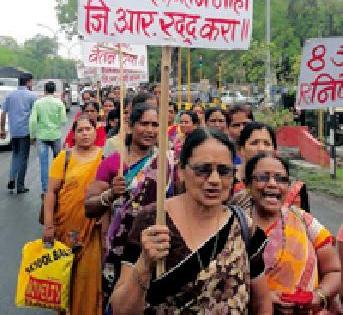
{"points": [[38, 56], [40, 47], [319, 180], [67, 15], [275, 117]]}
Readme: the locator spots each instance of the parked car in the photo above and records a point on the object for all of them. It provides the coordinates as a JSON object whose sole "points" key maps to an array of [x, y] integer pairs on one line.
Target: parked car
{"points": [[233, 98], [194, 93], [7, 85], [63, 91], [74, 94]]}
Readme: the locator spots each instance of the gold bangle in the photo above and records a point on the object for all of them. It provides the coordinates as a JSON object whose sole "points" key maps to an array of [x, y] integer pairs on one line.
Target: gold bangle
{"points": [[142, 285]]}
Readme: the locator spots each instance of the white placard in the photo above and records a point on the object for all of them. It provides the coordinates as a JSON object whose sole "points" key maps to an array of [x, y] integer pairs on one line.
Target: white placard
{"points": [[321, 76], [213, 24], [107, 55], [111, 76]]}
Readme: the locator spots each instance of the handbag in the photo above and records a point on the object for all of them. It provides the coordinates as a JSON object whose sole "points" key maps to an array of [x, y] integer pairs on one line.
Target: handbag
{"points": [[41, 212], [44, 276]]}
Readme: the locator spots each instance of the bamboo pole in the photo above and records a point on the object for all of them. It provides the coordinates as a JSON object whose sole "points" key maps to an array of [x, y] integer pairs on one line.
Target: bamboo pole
{"points": [[98, 85], [179, 77], [163, 145], [121, 131], [189, 97]]}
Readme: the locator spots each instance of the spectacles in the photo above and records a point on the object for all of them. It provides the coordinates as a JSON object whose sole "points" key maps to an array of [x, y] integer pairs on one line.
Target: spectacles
{"points": [[205, 170], [265, 178]]}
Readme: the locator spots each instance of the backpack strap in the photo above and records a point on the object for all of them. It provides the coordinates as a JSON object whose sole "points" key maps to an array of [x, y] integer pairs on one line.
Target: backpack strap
{"points": [[238, 213], [66, 161]]}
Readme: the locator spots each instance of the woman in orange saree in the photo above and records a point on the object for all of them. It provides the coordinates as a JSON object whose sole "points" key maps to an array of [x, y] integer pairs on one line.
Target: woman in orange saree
{"points": [[299, 257], [68, 223]]}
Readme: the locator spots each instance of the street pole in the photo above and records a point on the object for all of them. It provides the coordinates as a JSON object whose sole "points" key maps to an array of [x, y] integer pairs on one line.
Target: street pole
{"points": [[189, 98], [332, 143], [268, 57], [200, 68], [219, 80], [321, 135], [179, 78]]}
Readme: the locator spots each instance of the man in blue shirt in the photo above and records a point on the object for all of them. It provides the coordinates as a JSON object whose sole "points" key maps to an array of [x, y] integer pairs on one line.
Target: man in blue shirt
{"points": [[18, 106]]}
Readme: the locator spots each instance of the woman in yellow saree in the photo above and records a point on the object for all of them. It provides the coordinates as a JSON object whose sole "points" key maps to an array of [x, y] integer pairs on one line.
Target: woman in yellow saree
{"points": [[68, 223]]}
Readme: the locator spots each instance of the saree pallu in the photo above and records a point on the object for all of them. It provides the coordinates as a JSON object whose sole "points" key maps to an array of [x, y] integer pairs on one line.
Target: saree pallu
{"points": [[70, 219], [142, 186], [290, 256], [219, 284]]}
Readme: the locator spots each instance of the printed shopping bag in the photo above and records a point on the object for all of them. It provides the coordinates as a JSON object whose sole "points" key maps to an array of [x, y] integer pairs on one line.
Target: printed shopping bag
{"points": [[44, 276]]}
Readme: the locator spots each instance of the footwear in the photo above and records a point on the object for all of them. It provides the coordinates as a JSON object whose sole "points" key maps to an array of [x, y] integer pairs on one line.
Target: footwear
{"points": [[23, 191], [11, 185]]}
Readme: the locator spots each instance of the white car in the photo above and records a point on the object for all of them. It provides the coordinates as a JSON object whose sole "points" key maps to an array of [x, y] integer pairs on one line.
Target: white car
{"points": [[232, 98], [7, 85], [74, 94], [7, 141]]}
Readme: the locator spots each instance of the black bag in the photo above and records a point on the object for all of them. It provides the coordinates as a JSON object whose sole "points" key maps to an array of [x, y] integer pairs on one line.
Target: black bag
{"points": [[41, 212]]}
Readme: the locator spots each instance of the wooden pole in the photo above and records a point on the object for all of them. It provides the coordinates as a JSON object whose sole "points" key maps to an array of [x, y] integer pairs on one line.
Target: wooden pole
{"points": [[163, 145], [98, 85], [179, 78], [189, 97], [121, 131]]}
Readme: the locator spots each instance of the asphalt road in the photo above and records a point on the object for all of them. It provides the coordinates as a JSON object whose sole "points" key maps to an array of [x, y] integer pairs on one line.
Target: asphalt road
{"points": [[19, 224]]}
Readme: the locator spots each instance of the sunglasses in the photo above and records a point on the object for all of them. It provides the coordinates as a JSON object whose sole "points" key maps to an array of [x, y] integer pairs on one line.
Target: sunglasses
{"points": [[205, 170], [265, 178]]}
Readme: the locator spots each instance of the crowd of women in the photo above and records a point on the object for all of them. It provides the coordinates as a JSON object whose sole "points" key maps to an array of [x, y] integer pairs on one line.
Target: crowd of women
{"points": [[239, 237]]}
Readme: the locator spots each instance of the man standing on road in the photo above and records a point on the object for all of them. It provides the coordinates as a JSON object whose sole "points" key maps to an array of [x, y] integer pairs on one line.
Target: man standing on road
{"points": [[47, 117], [18, 106]]}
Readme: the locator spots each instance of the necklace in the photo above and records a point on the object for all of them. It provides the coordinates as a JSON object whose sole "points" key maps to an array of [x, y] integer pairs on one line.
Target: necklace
{"points": [[201, 264]]}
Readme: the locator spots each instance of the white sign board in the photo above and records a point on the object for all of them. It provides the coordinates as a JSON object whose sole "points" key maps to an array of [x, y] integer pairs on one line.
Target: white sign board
{"points": [[321, 76], [107, 55], [213, 24], [111, 76]]}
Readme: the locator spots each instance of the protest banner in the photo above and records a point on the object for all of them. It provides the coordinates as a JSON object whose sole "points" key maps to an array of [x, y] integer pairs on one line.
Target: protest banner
{"points": [[107, 55], [321, 82], [321, 76], [213, 24], [111, 76]]}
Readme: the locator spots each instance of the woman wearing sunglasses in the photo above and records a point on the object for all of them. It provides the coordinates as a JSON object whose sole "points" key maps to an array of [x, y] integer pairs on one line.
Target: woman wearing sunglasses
{"points": [[255, 138], [208, 268], [301, 265]]}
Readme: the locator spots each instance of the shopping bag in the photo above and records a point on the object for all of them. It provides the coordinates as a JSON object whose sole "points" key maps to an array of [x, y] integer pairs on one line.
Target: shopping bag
{"points": [[44, 276]]}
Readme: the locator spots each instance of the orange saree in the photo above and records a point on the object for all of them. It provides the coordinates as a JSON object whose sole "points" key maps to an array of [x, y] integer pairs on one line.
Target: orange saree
{"points": [[71, 226]]}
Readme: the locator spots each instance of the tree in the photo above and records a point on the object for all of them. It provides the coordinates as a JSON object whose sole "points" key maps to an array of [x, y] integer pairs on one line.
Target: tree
{"points": [[37, 56], [67, 15], [41, 46], [9, 42]]}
